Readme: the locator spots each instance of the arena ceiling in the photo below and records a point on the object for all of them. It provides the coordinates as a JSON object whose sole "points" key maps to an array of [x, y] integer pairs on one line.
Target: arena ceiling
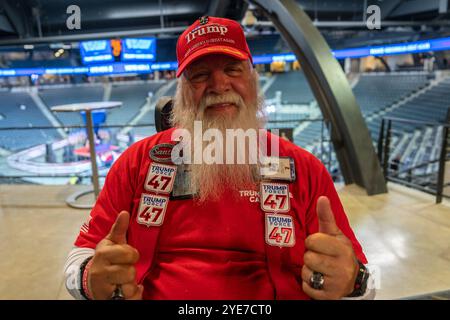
{"points": [[44, 21]]}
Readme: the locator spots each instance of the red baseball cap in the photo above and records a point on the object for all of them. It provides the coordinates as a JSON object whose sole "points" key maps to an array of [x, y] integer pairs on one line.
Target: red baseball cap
{"points": [[209, 35]]}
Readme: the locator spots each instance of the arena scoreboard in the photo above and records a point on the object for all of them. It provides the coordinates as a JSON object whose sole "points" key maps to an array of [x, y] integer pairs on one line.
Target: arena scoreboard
{"points": [[118, 50], [96, 51], [139, 49]]}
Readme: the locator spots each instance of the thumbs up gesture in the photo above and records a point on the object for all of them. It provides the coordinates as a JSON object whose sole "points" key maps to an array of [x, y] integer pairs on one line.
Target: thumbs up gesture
{"points": [[113, 264], [331, 253]]}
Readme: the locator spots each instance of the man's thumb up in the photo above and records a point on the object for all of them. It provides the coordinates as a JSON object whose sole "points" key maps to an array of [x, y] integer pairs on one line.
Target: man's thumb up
{"points": [[118, 232], [113, 263], [330, 253], [327, 223]]}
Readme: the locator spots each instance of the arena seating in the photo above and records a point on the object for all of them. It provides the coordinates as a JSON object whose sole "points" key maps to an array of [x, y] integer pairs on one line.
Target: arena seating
{"points": [[133, 97], [416, 145], [28, 115], [432, 105], [310, 134], [53, 96], [294, 87], [375, 92], [415, 153]]}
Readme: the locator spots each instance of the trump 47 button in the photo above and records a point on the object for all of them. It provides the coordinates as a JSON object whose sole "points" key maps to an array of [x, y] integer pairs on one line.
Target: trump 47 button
{"points": [[275, 197], [160, 178], [280, 230], [152, 209]]}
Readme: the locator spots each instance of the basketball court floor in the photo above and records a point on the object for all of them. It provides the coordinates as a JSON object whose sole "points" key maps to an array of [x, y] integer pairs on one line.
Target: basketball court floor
{"points": [[405, 236]]}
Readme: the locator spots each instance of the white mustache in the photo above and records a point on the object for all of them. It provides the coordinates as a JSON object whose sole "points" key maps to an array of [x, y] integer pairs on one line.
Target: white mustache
{"points": [[229, 97]]}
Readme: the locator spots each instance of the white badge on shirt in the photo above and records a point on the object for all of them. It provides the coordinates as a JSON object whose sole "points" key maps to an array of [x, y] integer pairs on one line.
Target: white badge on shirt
{"points": [[152, 209], [278, 168], [275, 197], [280, 230], [160, 178]]}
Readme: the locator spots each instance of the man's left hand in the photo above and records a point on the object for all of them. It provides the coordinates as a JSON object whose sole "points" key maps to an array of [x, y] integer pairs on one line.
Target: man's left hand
{"points": [[331, 253]]}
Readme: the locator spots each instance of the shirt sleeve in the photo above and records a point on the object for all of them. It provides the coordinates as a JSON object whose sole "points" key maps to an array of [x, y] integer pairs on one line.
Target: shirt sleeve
{"points": [[116, 195], [72, 272], [321, 184]]}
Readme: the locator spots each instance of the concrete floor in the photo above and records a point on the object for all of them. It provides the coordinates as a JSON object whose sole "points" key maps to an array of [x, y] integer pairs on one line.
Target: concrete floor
{"points": [[37, 231], [406, 238]]}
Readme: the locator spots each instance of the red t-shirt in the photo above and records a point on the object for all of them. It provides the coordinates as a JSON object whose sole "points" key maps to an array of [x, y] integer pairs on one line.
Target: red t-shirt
{"points": [[212, 251], [216, 250]]}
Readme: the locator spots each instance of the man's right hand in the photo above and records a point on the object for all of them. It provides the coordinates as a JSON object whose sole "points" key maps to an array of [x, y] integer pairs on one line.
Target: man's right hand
{"points": [[113, 264]]}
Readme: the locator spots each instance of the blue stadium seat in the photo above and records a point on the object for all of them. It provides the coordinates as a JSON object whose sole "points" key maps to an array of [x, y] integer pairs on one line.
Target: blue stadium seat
{"points": [[19, 110]]}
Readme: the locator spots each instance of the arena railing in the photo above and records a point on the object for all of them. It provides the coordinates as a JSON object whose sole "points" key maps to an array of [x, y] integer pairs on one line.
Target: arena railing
{"points": [[32, 161], [432, 182], [324, 150]]}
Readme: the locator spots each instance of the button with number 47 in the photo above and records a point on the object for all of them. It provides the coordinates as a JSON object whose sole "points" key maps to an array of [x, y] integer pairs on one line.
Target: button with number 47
{"points": [[160, 178], [152, 209], [275, 197], [280, 230]]}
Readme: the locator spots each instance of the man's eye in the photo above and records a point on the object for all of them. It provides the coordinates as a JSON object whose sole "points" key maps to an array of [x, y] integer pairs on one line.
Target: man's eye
{"points": [[198, 77], [233, 71]]}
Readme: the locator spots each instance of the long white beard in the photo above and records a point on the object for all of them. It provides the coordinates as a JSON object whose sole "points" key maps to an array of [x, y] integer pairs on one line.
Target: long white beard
{"points": [[212, 180]]}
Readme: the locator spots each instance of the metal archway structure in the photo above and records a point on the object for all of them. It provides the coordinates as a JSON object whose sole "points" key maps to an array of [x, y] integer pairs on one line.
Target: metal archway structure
{"points": [[350, 136]]}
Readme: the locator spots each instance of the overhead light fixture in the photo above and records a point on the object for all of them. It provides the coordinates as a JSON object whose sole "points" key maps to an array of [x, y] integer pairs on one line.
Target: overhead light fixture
{"points": [[59, 53], [28, 47]]}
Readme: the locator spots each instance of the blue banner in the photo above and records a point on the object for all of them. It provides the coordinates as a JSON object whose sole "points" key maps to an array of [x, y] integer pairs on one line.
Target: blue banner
{"points": [[138, 44]]}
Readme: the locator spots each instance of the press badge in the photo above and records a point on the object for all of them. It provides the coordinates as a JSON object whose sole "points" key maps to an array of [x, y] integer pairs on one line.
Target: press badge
{"points": [[275, 197], [182, 188], [160, 178], [280, 230], [278, 168], [152, 209]]}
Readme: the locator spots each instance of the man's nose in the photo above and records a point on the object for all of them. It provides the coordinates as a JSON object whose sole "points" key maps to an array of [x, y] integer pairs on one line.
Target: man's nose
{"points": [[219, 82]]}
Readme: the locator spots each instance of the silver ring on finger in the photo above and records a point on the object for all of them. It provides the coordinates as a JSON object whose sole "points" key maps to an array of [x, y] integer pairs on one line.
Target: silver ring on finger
{"points": [[317, 280], [118, 293]]}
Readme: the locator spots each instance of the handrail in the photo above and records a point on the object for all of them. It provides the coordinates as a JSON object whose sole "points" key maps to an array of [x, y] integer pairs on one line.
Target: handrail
{"points": [[297, 120], [429, 123], [75, 127], [384, 150], [417, 166], [134, 125]]}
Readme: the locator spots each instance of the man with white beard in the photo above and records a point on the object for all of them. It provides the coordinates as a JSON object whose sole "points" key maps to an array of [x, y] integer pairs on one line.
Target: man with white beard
{"points": [[167, 229]]}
